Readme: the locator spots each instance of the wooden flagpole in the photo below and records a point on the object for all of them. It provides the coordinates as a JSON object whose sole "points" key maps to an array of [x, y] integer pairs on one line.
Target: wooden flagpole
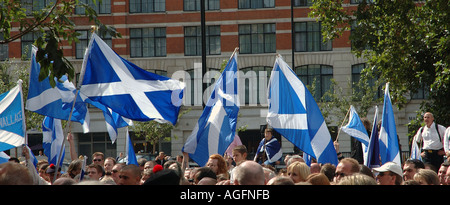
{"points": [[339, 131]]}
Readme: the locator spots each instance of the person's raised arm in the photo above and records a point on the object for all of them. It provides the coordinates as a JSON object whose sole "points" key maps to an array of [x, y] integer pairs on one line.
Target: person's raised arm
{"points": [[73, 153]]}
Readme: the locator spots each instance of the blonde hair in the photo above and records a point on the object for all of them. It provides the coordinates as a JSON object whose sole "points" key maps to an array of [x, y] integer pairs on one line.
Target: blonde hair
{"points": [[300, 168]]}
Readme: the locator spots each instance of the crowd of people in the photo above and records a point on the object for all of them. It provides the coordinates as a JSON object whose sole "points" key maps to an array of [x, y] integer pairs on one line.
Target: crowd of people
{"points": [[237, 169]]}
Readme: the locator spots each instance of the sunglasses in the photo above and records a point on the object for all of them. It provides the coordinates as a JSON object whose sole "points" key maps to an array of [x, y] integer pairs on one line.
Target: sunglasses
{"points": [[96, 160]]}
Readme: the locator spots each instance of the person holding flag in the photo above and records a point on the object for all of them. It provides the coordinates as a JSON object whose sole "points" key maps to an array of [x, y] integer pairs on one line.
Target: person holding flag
{"points": [[269, 149]]}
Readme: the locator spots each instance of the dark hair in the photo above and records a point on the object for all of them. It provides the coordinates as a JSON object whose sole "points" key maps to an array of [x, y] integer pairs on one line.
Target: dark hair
{"points": [[205, 172], [417, 163]]}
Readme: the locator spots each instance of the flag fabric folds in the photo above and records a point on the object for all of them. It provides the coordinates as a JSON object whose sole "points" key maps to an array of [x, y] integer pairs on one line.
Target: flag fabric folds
{"points": [[389, 149], [272, 149], [355, 127], [125, 88], [131, 156], [12, 120], [294, 113], [373, 149], [55, 102], [216, 127], [4, 157], [53, 137]]}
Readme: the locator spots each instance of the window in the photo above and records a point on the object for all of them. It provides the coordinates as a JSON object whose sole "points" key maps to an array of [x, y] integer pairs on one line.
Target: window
{"points": [[148, 42], [80, 47], [308, 37], [257, 38], [255, 79], [96, 142], [26, 41], [303, 3], [318, 76], [256, 4], [147, 6], [194, 5], [193, 40], [101, 7], [422, 93], [35, 5]]}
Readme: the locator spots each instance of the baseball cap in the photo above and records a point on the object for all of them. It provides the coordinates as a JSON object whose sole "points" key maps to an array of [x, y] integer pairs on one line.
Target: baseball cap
{"points": [[390, 166]]}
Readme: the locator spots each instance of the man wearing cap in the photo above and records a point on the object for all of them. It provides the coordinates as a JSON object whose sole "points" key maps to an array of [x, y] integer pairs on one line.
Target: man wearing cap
{"points": [[389, 174]]}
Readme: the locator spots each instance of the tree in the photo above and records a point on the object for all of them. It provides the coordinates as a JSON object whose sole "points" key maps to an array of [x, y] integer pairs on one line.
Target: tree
{"points": [[55, 25], [404, 43]]}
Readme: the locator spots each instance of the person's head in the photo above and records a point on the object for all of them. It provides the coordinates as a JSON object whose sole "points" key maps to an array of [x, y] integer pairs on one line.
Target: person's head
{"points": [[115, 171], [74, 168], [357, 179], [203, 172], [281, 180], [318, 179], [149, 165], [217, 163], [50, 171], [329, 170], [447, 176], [389, 174], [109, 163], [346, 167], [411, 167], [98, 158], [130, 175], [249, 173], [94, 171], [239, 153], [294, 158], [442, 171], [12, 173], [426, 177], [298, 171], [315, 168], [428, 118], [268, 134]]}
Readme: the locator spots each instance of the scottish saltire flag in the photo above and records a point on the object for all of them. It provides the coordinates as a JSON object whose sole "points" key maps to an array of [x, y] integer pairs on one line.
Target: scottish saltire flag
{"points": [[12, 118], [32, 157], [53, 137], [272, 150], [307, 158], [216, 126], [127, 89], [415, 151], [55, 102], [4, 157], [372, 158], [295, 115], [389, 149], [131, 156], [355, 127]]}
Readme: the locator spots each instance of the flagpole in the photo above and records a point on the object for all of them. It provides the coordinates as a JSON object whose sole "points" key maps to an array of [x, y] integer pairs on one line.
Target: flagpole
{"points": [[342, 124]]}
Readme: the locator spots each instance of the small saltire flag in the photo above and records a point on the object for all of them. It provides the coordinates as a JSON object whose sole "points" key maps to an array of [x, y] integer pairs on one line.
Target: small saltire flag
{"points": [[373, 149], [83, 167], [389, 149], [356, 129], [32, 157], [12, 120], [53, 137], [131, 156], [216, 127], [294, 113], [55, 101], [125, 88]]}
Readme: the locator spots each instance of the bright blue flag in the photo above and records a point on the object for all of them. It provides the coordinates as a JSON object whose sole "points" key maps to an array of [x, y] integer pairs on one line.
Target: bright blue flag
{"points": [[32, 157], [355, 127], [55, 102], [125, 88], [216, 127], [372, 158], [294, 113], [131, 156], [389, 149], [12, 120], [53, 137]]}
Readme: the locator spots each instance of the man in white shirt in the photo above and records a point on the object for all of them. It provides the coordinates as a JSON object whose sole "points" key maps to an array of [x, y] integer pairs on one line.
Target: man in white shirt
{"points": [[432, 137]]}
